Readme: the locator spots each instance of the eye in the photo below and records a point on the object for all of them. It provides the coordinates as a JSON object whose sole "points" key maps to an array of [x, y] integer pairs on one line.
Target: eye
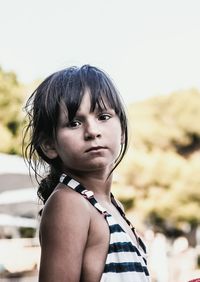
{"points": [[104, 116], [74, 123]]}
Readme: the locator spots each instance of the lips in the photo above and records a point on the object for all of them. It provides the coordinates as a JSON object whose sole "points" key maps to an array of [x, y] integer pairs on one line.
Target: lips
{"points": [[95, 148]]}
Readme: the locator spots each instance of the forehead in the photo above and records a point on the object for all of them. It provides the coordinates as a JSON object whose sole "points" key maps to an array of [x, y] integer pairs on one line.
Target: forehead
{"points": [[87, 104]]}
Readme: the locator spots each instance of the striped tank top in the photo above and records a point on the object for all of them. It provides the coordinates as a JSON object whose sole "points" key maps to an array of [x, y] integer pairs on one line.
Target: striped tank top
{"points": [[125, 262]]}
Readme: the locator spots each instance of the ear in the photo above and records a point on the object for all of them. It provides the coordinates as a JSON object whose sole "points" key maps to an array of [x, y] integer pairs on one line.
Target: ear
{"points": [[49, 150]]}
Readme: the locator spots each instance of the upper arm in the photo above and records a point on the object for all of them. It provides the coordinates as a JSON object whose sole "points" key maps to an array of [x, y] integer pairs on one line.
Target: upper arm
{"points": [[64, 232]]}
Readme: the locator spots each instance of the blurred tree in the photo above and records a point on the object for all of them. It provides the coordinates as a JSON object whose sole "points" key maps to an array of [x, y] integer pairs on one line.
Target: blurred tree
{"points": [[163, 162], [167, 122], [11, 100]]}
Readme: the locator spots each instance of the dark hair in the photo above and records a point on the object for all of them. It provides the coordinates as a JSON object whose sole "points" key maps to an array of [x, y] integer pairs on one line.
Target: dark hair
{"points": [[43, 106]]}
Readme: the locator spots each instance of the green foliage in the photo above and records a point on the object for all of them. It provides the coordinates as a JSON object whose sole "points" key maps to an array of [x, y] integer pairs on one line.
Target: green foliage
{"points": [[27, 232], [6, 137], [11, 115], [166, 121], [163, 162]]}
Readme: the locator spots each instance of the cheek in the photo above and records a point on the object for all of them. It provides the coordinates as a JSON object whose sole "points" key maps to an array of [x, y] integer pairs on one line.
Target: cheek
{"points": [[116, 132], [65, 139], [116, 138], [67, 144]]}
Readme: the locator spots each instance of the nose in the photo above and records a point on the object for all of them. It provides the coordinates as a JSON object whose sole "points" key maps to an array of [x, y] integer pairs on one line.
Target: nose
{"points": [[92, 131]]}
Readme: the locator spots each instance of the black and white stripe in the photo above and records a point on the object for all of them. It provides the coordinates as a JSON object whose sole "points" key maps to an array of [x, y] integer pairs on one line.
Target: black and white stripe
{"points": [[125, 262]]}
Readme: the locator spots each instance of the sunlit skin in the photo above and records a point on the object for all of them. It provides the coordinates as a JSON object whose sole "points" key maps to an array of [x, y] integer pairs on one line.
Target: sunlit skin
{"points": [[74, 235]]}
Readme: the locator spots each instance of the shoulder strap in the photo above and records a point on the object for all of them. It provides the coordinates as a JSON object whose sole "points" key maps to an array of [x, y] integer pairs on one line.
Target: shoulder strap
{"points": [[89, 195]]}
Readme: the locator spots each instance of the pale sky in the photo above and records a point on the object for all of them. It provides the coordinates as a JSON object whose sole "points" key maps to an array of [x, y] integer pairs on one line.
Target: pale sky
{"points": [[148, 47]]}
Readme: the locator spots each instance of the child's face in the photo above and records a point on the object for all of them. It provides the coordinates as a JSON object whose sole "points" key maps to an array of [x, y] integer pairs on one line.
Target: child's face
{"points": [[90, 142]]}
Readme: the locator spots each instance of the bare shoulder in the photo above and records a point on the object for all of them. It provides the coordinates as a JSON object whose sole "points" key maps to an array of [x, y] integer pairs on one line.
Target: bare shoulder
{"points": [[63, 209], [66, 213], [64, 198]]}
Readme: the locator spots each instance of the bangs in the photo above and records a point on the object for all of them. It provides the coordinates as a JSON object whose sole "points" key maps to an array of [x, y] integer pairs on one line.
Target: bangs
{"points": [[102, 91]]}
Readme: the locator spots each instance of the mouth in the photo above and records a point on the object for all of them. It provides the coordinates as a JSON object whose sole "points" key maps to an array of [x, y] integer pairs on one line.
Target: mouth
{"points": [[95, 149]]}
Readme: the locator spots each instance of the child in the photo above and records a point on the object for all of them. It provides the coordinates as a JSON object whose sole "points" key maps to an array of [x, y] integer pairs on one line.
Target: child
{"points": [[78, 126]]}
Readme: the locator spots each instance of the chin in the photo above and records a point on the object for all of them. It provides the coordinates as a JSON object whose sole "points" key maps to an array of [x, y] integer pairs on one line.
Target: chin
{"points": [[100, 166]]}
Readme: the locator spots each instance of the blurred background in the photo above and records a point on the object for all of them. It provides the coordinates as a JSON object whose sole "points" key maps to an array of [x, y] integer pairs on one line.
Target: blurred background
{"points": [[151, 51]]}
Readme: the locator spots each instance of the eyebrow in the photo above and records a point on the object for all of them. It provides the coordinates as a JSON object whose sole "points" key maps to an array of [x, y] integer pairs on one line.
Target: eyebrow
{"points": [[96, 109]]}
